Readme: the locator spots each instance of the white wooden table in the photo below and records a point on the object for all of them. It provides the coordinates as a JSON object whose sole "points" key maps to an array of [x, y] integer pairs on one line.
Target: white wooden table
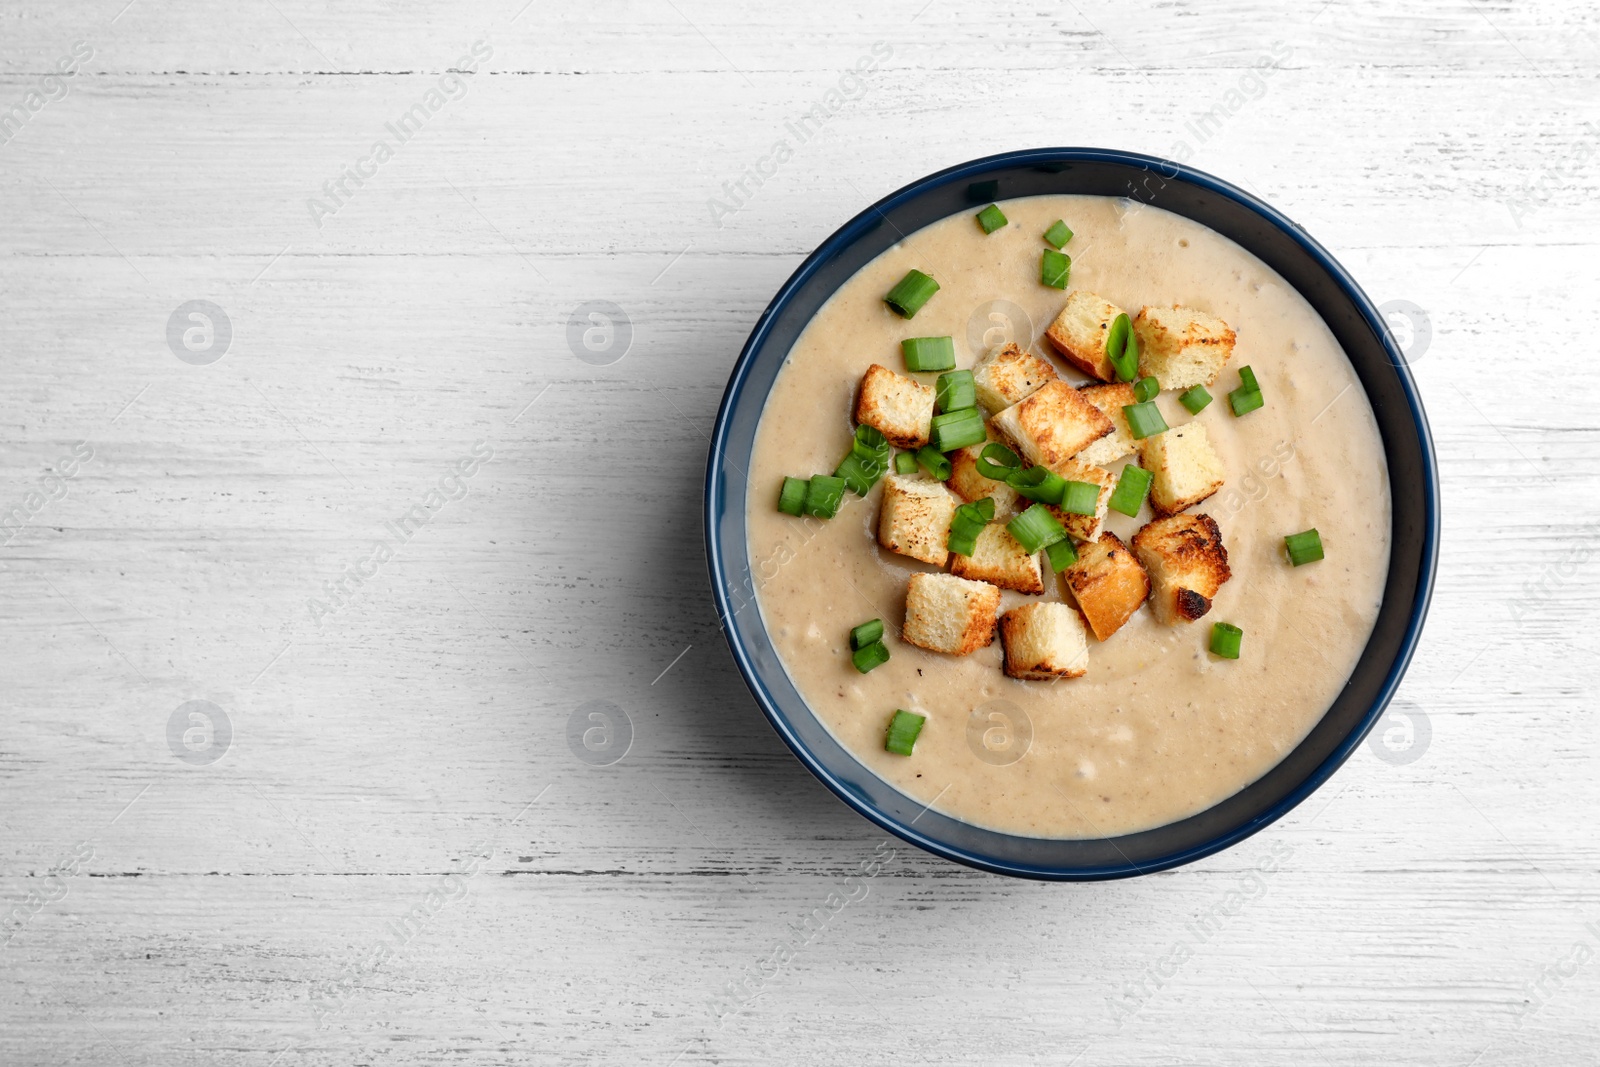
{"points": [[374, 840]]}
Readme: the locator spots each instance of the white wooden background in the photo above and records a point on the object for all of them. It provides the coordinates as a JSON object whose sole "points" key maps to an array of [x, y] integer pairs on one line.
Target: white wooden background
{"points": [[408, 753]]}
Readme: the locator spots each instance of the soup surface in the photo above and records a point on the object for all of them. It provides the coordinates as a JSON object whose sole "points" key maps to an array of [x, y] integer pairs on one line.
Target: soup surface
{"points": [[1158, 729]]}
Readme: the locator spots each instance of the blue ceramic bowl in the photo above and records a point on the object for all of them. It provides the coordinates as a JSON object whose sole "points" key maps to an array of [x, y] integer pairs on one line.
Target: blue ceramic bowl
{"points": [[1282, 245]]}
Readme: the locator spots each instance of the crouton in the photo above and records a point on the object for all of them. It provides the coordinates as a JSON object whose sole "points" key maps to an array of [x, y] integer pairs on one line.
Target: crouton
{"points": [[1185, 469], [1187, 563], [1108, 583], [1110, 399], [1084, 527], [1000, 560], [969, 485], [1044, 641], [1006, 374], [1053, 424], [1079, 333], [949, 614], [915, 520], [898, 407], [1181, 347]]}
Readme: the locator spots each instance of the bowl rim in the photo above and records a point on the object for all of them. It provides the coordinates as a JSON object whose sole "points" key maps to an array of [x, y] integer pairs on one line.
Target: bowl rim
{"points": [[853, 230]]}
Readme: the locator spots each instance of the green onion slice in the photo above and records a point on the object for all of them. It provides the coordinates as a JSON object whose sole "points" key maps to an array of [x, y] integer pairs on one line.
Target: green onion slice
{"points": [[865, 634], [1304, 547], [991, 218], [1122, 348], [955, 391], [823, 496], [869, 656], [1036, 528], [984, 506], [1195, 400], [792, 498], [957, 429], [1132, 486], [998, 462], [1080, 498], [1247, 380], [1225, 640], [1144, 420], [1038, 483], [859, 475], [1055, 268], [966, 525], [910, 293], [1061, 555], [903, 731], [1244, 402], [936, 463], [1058, 234], [1146, 389], [905, 463], [928, 353]]}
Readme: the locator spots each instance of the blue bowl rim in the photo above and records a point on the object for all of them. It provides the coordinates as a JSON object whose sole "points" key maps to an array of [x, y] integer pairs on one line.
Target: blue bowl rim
{"points": [[971, 169]]}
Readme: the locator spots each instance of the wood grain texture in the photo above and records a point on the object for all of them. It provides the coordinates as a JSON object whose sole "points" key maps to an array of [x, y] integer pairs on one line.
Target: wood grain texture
{"points": [[1434, 911]]}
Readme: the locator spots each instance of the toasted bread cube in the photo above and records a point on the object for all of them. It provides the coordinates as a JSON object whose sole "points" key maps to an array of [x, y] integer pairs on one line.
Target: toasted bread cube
{"points": [[949, 614], [1084, 527], [1079, 333], [915, 520], [1187, 562], [1185, 469], [969, 485], [1053, 424], [1108, 583], [1000, 560], [1181, 347], [898, 407], [1110, 399], [1044, 641], [1006, 375]]}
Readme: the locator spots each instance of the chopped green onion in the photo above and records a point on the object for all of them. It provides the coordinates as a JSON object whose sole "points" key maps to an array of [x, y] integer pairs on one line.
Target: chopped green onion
{"points": [[965, 526], [910, 293], [1243, 402], [1128, 496], [871, 439], [1146, 388], [1225, 639], [1061, 555], [1144, 420], [936, 463], [1304, 547], [866, 634], [869, 656], [792, 498], [1122, 348], [1247, 380], [1036, 528], [1080, 498], [1055, 268], [998, 462], [957, 429], [860, 475], [1058, 234], [928, 353], [991, 218], [1038, 483], [984, 506], [905, 463], [823, 496], [1195, 400], [955, 391], [903, 731]]}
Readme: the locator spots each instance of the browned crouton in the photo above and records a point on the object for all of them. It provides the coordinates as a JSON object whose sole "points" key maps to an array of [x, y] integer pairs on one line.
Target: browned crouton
{"points": [[1084, 527], [1185, 468], [1187, 563], [1006, 374], [1044, 641], [1110, 399], [998, 559], [1053, 424], [898, 407], [1079, 333], [915, 520], [1181, 347], [1108, 583], [949, 614]]}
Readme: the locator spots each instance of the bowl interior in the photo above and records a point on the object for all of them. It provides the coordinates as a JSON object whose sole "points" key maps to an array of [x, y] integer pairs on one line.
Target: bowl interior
{"points": [[1278, 242]]}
